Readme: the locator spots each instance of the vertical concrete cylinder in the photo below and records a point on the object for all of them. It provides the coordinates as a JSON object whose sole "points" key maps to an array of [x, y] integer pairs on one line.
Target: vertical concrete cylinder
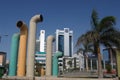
{"points": [[14, 54], [50, 39], [42, 72], [22, 48], [118, 62], [31, 44], [55, 63]]}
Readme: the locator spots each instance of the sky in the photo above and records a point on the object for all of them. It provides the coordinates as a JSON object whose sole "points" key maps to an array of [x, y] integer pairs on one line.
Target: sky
{"points": [[57, 14]]}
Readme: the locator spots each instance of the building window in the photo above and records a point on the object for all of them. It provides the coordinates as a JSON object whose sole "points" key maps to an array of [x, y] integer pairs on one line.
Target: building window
{"points": [[70, 45], [61, 43]]}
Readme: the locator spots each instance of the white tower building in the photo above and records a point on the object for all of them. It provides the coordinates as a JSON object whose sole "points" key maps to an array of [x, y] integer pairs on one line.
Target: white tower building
{"points": [[40, 55], [64, 41], [42, 41]]}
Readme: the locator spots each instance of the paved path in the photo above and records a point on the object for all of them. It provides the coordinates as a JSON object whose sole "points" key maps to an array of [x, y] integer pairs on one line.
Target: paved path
{"points": [[54, 78]]}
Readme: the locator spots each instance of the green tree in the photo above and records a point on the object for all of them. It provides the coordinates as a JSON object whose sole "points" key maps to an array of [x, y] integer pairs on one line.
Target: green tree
{"points": [[102, 32]]}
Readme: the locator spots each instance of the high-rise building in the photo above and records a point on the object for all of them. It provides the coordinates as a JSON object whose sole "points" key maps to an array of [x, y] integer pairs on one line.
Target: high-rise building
{"points": [[64, 41], [109, 57], [64, 44], [40, 55], [42, 41], [2, 59], [37, 46], [79, 60]]}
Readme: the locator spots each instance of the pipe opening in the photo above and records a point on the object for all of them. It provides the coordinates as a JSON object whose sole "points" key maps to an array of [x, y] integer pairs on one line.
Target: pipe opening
{"points": [[41, 18], [19, 24]]}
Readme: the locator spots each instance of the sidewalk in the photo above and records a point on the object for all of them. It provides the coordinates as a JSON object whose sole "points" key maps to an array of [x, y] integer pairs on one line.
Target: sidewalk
{"points": [[54, 78]]}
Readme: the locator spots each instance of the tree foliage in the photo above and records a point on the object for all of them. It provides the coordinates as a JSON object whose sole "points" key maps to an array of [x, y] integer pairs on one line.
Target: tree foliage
{"points": [[102, 32]]}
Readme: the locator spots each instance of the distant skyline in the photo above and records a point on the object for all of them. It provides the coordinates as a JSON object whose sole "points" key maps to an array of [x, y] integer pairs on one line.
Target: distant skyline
{"points": [[57, 14]]}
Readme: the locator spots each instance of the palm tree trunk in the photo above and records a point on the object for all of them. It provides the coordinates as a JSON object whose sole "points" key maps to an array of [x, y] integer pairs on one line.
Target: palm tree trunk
{"points": [[100, 73], [111, 58]]}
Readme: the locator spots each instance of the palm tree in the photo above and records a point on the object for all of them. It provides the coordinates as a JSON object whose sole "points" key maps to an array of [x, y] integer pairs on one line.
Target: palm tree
{"points": [[86, 48], [103, 33]]}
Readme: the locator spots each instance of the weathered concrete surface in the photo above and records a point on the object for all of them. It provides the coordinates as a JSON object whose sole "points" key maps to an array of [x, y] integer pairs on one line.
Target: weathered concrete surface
{"points": [[49, 51], [31, 45], [18, 78], [21, 66], [118, 61], [54, 78]]}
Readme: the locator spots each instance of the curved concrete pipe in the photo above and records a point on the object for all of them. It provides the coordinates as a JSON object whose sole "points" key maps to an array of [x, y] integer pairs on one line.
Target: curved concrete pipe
{"points": [[31, 44], [14, 54], [55, 63], [22, 48], [49, 51]]}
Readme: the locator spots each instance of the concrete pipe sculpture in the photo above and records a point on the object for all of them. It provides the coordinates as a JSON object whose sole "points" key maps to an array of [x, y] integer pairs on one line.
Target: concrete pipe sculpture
{"points": [[14, 54], [55, 63], [49, 51], [22, 48], [31, 44], [118, 62]]}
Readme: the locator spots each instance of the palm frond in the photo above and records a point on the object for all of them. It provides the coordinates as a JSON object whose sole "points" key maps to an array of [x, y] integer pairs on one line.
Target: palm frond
{"points": [[110, 33], [86, 48], [106, 22], [108, 30], [80, 40], [112, 40], [109, 46], [79, 50], [92, 36], [94, 20]]}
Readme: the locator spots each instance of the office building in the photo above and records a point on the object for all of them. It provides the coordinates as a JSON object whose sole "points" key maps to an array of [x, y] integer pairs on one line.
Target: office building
{"points": [[42, 41], [40, 55], [79, 61], [64, 41], [2, 59], [109, 57]]}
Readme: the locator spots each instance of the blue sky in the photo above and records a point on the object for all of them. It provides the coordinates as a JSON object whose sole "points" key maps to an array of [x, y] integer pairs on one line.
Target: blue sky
{"points": [[57, 14]]}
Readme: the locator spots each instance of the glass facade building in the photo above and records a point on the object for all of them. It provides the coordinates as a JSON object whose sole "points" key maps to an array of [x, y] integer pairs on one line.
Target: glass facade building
{"points": [[109, 57], [64, 41]]}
